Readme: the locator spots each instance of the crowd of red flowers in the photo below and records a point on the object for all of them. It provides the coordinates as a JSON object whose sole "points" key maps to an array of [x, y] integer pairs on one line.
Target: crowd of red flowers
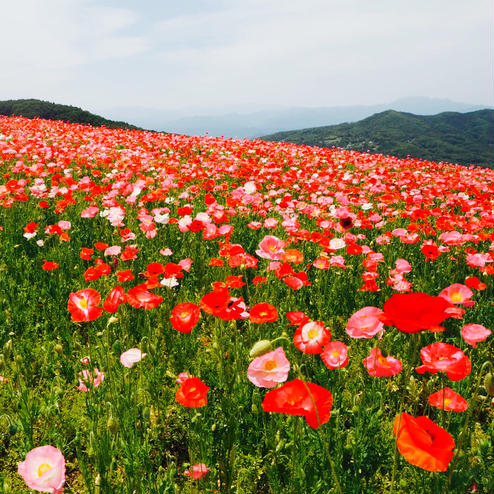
{"points": [[341, 204]]}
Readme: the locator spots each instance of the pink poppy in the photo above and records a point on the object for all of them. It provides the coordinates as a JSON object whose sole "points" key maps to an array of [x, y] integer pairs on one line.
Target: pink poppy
{"points": [[197, 471], [365, 323], [269, 369], [43, 469], [458, 294], [271, 247], [443, 357], [90, 379], [379, 366], [448, 399], [473, 333], [335, 355], [130, 357]]}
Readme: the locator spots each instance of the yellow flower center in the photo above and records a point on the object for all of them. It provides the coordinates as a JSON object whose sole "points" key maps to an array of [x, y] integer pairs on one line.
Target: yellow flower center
{"points": [[447, 401], [44, 467], [83, 303], [456, 297], [312, 333], [335, 353], [270, 365]]}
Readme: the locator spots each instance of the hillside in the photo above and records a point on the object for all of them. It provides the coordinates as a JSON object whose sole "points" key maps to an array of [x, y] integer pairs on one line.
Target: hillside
{"points": [[32, 108], [465, 138]]}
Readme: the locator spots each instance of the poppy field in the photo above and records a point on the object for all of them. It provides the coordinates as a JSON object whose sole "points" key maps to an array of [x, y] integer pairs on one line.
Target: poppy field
{"points": [[194, 314]]}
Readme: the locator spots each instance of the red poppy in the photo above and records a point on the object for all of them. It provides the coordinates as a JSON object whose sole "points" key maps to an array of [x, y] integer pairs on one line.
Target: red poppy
{"points": [[100, 245], [192, 393], [185, 316], [215, 302], [49, 265], [129, 253], [261, 313], [300, 398], [297, 317], [415, 312], [141, 297], [443, 357], [125, 275], [114, 299], [86, 253], [423, 443], [154, 269], [82, 305], [447, 399]]}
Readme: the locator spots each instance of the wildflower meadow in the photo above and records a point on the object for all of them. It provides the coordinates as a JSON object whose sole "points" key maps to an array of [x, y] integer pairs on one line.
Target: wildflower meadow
{"points": [[196, 315]]}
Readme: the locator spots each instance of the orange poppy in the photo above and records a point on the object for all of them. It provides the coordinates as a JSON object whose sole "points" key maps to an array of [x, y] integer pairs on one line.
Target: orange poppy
{"points": [[423, 443]]}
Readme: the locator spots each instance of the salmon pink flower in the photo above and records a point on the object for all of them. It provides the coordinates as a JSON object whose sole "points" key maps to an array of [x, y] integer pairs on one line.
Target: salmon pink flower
{"points": [[443, 357], [192, 393], [185, 316], [415, 312], [197, 471], [271, 247], [269, 369], [90, 379], [365, 323], [132, 356], [473, 333], [423, 443], [448, 399], [311, 337], [335, 355], [300, 398], [43, 469], [379, 366], [82, 305], [458, 294]]}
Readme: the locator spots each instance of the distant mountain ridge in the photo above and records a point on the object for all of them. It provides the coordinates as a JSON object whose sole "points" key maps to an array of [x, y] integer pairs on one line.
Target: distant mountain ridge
{"points": [[464, 138], [32, 108], [254, 121]]}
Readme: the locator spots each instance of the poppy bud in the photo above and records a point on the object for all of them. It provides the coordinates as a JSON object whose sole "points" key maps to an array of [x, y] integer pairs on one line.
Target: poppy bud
{"points": [[59, 348], [254, 409], [2, 360], [7, 347], [112, 424], [260, 348], [489, 384]]}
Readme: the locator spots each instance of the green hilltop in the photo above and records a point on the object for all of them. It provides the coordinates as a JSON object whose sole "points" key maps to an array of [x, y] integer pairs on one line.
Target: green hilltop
{"points": [[35, 108], [464, 138]]}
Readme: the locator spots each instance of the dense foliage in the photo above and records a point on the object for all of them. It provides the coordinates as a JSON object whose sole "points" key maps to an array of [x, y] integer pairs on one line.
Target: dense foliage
{"points": [[183, 315], [464, 138], [35, 108]]}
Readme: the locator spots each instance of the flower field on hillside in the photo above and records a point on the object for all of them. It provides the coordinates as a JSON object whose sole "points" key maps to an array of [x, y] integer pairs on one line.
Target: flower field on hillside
{"points": [[194, 314]]}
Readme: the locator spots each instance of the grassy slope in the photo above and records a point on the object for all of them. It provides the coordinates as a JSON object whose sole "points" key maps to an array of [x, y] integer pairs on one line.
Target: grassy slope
{"points": [[32, 108]]}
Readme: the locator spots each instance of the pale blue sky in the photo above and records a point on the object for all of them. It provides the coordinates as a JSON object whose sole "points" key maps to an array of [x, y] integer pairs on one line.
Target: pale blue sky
{"points": [[202, 55]]}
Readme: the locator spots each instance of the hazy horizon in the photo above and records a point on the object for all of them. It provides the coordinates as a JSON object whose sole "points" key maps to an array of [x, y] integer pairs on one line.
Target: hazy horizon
{"points": [[222, 56]]}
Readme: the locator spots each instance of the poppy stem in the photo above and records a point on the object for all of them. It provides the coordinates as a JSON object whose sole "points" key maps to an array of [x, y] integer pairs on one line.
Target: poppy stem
{"points": [[465, 427], [406, 377], [323, 439]]}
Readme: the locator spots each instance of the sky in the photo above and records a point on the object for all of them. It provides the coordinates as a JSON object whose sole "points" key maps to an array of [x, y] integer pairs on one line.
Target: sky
{"points": [[199, 56]]}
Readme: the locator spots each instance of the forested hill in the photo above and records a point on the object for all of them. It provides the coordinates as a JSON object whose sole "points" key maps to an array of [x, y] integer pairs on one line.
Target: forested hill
{"points": [[33, 108], [464, 138]]}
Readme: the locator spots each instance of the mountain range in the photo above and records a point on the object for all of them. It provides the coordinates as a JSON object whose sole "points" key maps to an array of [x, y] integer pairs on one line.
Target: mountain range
{"points": [[263, 121]]}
